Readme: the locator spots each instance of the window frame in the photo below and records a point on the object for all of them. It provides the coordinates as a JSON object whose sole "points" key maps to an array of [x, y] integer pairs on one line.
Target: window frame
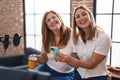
{"points": [[110, 58]]}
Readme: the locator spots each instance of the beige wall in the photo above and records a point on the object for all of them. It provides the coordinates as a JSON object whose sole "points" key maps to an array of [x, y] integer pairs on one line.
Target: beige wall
{"points": [[11, 21]]}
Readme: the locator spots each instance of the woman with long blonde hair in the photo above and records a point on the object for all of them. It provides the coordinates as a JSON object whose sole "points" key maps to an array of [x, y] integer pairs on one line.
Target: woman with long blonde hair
{"points": [[91, 45]]}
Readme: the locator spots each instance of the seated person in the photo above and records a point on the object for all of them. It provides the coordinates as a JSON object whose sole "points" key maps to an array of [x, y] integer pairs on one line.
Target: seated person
{"points": [[55, 33]]}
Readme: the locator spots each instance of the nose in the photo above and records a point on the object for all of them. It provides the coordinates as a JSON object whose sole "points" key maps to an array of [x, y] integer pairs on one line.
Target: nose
{"points": [[81, 17], [52, 20]]}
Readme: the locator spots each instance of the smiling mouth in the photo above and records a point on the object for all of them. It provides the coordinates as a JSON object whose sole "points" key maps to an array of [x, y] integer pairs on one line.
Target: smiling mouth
{"points": [[53, 25], [83, 22]]}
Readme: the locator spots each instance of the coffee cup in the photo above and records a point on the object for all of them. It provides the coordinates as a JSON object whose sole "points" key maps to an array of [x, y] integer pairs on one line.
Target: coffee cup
{"points": [[32, 62]]}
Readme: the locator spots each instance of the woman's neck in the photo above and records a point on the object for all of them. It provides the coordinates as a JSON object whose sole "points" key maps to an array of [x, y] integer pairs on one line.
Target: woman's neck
{"points": [[57, 37], [56, 33], [87, 33]]}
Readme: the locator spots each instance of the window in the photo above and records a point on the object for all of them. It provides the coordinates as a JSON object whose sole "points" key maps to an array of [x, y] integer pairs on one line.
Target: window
{"points": [[34, 11], [108, 16]]}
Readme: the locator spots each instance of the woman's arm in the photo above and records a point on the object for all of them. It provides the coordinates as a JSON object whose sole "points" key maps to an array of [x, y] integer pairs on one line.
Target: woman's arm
{"points": [[91, 63], [42, 58], [75, 55]]}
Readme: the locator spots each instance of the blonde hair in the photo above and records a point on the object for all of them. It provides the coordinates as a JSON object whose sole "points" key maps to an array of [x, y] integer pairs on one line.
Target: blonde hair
{"points": [[78, 31], [48, 37]]}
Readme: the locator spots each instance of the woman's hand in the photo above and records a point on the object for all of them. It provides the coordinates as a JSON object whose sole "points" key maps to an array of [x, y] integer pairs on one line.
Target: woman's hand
{"points": [[61, 58], [67, 59], [42, 58]]}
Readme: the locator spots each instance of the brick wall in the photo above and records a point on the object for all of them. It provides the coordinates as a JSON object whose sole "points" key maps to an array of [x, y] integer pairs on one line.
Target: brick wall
{"points": [[11, 22]]}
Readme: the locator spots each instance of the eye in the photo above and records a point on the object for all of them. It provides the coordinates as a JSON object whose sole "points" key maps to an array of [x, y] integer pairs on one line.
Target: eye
{"points": [[48, 20], [84, 13], [53, 17], [77, 16]]}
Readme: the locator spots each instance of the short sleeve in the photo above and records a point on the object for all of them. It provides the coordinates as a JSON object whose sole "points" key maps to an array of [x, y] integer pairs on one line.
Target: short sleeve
{"points": [[103, 44]]}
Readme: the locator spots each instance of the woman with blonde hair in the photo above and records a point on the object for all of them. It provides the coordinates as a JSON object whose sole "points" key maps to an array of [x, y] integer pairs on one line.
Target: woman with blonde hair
{"points": [[91, 45]]}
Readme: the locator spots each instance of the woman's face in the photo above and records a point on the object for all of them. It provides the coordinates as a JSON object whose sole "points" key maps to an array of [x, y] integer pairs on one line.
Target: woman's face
{"points": [[82, 18], [53, 22]]}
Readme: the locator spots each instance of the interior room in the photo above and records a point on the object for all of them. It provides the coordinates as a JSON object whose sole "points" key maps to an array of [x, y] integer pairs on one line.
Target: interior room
{"points": [[21, 31]]}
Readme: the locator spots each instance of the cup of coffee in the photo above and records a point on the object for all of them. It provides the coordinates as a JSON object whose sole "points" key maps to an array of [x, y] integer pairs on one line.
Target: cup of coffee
{"points": [[32, 61]]}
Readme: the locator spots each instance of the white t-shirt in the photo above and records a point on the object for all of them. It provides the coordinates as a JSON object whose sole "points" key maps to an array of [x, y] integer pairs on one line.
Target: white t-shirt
{"points": [[59, 66], [100, 45]]}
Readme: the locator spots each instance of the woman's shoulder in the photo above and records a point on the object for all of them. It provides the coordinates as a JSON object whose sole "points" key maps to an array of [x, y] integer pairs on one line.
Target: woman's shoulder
{"points": [[101, 33], [104, 37]]}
